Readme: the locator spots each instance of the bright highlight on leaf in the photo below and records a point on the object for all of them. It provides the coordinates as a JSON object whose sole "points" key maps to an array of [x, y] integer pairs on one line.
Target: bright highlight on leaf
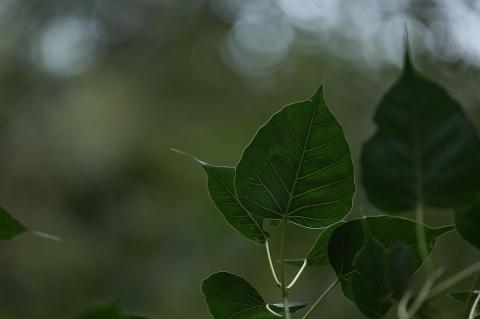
{"points": [[230, 296], [425, 149], [298, 167]]}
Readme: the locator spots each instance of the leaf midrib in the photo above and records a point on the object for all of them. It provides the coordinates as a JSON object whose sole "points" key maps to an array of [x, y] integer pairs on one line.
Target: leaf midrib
{"points": [[300, 165]]}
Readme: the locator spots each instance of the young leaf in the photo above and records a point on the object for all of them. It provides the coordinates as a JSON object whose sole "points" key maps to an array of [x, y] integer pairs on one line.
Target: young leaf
{"points": [[9, 226], [230, 296], [222, 192], [108, 311], [467, 222], [348, 239], [298, 167], [425, 149]]}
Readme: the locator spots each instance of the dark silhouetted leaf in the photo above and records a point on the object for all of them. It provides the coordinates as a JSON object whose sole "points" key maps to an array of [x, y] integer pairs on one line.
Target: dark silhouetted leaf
{"points": [[298, 167], [222, 192], [230, 296], [9, 226], [467, 222], [371, 286], [348, 239], [425, 149], [461, 296]]}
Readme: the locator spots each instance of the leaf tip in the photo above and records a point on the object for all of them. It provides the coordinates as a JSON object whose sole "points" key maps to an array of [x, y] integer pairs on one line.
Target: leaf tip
{"points": [[188, 155]]}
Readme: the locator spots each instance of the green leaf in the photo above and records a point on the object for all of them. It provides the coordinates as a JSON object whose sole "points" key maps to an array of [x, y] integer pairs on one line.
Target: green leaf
{"points": [[298, 167], [461, 296], [371, 286], [348, 239], [222, 193], [108, 311], [467, 222], [9, 226], [318, 255], [292, 306], [230, 296], [425, 149]]}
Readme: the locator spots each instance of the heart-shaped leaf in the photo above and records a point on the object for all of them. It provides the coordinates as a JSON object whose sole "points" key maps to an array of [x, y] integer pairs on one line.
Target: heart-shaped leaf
{"points": [[298, 167], [467, 222], [9, 226], [230, 296], [425, 149], [348, 240], [108, 311], [222, 193]]}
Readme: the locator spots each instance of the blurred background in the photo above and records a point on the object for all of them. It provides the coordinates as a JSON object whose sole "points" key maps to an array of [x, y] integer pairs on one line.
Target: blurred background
{"points": [[94, 93]]}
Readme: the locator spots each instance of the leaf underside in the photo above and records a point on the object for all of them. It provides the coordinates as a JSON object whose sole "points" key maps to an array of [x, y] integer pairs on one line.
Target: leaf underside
{"points": [[425, 148], [298, 167]]}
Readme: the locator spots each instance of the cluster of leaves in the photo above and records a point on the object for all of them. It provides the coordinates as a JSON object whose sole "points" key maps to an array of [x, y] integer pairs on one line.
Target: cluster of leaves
{"points": [[298, 169]]}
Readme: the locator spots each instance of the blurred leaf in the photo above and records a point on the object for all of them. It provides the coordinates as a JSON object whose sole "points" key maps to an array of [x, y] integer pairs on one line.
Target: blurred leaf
{"points": [[425, 149], [222, 192], [298, 167], [347, 241], [461, 296], [318, 255], [401, 270], [230, 296], [109, 311], [467, 222], [371, 286], [9, 226]]}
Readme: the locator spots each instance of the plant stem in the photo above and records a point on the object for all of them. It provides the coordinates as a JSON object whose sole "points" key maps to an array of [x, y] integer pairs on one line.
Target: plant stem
{"points": [[282, 270], [445, 285], [299, 273], [317, 302], [421, 238], [470, 301], [473, 312], [270, 262]]}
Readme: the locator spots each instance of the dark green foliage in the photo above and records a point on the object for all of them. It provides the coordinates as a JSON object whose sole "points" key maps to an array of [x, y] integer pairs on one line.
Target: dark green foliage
{"points": [[230, 296], [348, 240], [425, 149], [371, 286], [467, 222], [298, 167], [9, 226], [222, 192]]}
